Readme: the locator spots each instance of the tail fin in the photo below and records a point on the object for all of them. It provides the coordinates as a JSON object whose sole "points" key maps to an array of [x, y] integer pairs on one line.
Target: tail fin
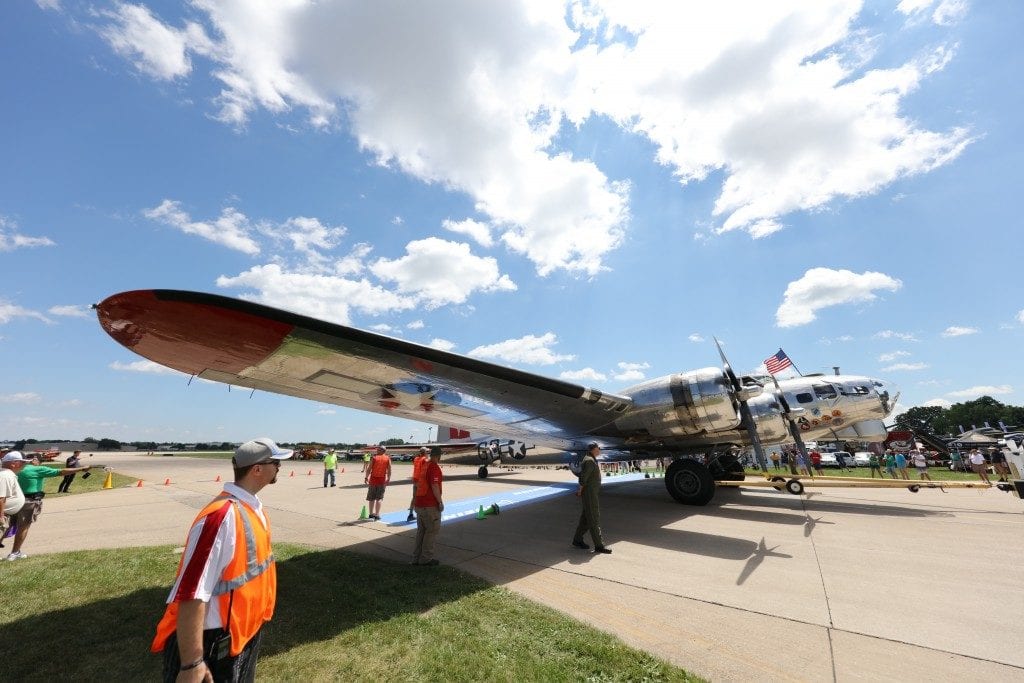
{"points": [[446, 433]]}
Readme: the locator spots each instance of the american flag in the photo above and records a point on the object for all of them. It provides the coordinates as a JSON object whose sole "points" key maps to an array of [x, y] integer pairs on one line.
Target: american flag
{"points": [[777, 363]]}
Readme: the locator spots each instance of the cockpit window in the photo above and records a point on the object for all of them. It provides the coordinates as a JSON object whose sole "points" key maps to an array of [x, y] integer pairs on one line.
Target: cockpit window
{"points": [[804, 398], [824, 391], [856, 390]]}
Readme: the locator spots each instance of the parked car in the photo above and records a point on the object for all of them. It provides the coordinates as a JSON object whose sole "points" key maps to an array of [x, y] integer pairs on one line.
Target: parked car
{"points": [[829, 459], [862, 459]]}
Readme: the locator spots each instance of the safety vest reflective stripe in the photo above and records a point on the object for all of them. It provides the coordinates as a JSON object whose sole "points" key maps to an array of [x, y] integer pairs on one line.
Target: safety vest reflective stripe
{"points": [[253, 567]]}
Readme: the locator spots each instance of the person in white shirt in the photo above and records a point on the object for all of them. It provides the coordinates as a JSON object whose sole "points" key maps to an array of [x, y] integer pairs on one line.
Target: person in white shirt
{"points": [[921, 463], [11, 500], [979, 465]]}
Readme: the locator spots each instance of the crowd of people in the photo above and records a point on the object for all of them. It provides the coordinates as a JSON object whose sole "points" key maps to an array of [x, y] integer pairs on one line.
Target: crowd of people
{"points": [[895, 462]]}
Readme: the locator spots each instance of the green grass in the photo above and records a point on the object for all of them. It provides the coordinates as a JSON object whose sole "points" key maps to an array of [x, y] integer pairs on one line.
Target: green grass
{"points": [[79, 485], [340, 616]]}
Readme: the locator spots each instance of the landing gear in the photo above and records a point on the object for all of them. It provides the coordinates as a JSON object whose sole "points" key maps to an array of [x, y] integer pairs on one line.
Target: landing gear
{"points": [[726, 467], [482, 472], [914, 488], [689, 482], [795, 487]]}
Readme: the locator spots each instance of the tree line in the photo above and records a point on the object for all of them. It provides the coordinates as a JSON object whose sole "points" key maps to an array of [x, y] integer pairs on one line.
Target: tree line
{"points": [[941, 421]]}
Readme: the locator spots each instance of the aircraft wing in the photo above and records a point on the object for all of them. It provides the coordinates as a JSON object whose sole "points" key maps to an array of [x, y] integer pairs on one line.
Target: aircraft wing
{"points": [[246, 344]]}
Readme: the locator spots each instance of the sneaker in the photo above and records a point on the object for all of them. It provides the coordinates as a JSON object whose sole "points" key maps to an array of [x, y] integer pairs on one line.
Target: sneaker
{"points": [[411, 517], [602, 549], [580, 544], [17, 556]]}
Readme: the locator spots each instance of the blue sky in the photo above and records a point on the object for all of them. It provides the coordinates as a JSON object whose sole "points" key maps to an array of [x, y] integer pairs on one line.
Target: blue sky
{"points": [[588, 191]]}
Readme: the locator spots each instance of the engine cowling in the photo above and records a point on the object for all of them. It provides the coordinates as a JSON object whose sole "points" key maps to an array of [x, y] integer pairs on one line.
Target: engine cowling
{"points": [[684, 404]]}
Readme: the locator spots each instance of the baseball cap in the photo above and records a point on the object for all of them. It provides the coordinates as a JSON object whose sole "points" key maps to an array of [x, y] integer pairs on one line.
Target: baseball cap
{"points": [[14, 456], [424, 450], [259, 450], [436, 450], [381, 449]]}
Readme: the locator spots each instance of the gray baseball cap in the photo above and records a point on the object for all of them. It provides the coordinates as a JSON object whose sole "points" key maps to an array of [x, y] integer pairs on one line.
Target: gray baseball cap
{"points": [[259, 450], [14, 456]]}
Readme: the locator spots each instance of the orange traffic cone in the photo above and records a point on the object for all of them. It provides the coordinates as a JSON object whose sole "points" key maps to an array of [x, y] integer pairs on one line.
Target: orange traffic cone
{"points": [[309, 473], [218, 478], [167, 481], [343, 470], [292, 474], [139, 485]]}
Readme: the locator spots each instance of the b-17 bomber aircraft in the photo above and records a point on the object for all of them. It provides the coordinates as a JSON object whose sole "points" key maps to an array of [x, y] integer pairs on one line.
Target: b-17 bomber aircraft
{"points": [[702, 412]]}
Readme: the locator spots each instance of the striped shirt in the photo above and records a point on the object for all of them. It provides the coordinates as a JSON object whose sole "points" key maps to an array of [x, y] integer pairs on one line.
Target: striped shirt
{"points": [[208, 550]]}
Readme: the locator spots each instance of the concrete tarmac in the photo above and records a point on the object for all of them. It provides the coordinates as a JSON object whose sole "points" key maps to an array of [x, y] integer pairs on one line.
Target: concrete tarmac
{"points": [[836, 585]]}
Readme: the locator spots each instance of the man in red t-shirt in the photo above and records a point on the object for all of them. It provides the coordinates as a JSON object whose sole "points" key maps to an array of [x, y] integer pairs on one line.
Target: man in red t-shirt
{"points": [[429, 507], [816, 461], [378, 476], [417, 469]]}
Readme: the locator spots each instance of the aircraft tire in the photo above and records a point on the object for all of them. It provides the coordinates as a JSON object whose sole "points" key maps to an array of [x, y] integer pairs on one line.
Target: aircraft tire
{"points": [[689, 482], [1004, 487], [913, 488], [482, 472], [778, 483], [795, 487]]}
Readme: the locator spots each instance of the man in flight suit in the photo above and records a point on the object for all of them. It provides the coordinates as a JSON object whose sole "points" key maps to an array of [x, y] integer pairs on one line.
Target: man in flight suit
{"points": [[590, 515]]}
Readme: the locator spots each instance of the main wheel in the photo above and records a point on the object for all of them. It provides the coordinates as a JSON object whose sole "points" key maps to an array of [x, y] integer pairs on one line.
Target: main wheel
{"points": [[689, 482], [913, 488], [482, 473], [795, 487], [778, 483]]}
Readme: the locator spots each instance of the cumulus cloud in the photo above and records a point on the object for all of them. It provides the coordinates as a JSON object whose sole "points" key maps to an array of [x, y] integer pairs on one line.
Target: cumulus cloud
{"points": [[71, 311], [152, 46], [891, 334], [897, 367], [889, 357], [631, 372], [146, 366], [982, 390], [11, 240], [957, 331], [21, 397], [326, 411], [823, 287], [1020, 316], [381, 327], [695, 338], [585, 374], [937, 403], [441, 344], [530, 350], [779, 102], [327, 297], [437, 272], [415, 325], [479, 232], [9, 312], [232, 229]]}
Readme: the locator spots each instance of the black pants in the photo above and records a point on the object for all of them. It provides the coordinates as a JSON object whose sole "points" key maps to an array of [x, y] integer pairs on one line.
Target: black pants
{"points": [[243, 667], [65, 483]]}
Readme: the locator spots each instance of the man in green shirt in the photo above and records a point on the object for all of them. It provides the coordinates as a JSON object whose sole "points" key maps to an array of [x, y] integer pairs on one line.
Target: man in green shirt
{"points": [[30, 478], [590, 515], [330, 465]]}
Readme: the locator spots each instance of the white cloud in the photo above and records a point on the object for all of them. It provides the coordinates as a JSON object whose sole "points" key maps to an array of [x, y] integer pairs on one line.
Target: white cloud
{"points": [[441, 344], [631, 372], [778, 101], [71, 311], [326, 297], [22, 397], [957, 331], [308, 236], [153, 47], [982, 390], [823, 287], [326, 411], [949, 12], [9, 312], [937, 403], [890, 334], [913, 6], [354, 262], [437, 272], [415, 325], [908, 367], [49, 4], [889, 357], [1020, 316], [231, 230], [530, 350], [11, 240], [479, 232], [381, 327], [695, 338], [586, 374], [147, 366]]}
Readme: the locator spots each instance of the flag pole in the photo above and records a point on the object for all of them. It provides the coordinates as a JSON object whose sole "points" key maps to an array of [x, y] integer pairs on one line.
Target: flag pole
{"points": [[794, 366]]}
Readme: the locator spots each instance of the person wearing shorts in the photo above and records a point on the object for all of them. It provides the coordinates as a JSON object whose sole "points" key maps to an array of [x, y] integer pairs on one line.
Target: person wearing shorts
{"points": [[30, 478], [921, 464], [998, 459], [979, 465], [378, 475]]}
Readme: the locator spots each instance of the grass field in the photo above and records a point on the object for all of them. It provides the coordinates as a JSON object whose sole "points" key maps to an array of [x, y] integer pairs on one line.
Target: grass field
{"points": [[80, 485], [91, 615]]}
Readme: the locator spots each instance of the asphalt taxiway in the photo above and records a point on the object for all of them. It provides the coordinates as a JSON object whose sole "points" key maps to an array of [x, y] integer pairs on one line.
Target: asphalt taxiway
{"points": [[832, 585]]}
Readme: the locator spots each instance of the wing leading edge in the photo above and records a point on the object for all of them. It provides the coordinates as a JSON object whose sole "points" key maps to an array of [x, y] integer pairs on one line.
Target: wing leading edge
{"points": [[247, 344]]}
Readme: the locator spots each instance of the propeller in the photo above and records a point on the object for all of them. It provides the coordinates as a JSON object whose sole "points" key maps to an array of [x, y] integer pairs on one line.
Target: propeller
{"points": [[744, 392]]}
